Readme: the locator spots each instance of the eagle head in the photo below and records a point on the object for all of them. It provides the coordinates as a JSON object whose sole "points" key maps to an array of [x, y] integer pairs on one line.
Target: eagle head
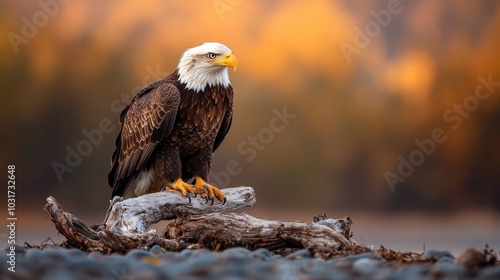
{"points": [[206, 65]]}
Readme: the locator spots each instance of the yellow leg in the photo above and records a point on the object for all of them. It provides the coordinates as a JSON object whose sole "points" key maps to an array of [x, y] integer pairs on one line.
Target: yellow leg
{"points": [[182, 186], [208, 191]]}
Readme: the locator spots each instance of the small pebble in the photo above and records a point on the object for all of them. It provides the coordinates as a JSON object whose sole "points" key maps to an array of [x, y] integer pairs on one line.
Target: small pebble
{"points": [[186, 253], [446, 259], [339, 263], [157, 250], [205, 259], [448, 270], [261, 254], [310, 268], [236, 254], [138, 254], [200, 252], [298, 255], [75, 253], [96, 256], [434, 255], [366, 266], [412, 272]]}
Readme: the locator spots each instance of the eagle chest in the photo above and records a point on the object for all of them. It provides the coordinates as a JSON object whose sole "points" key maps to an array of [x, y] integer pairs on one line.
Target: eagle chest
{"points": [[201, 115]]}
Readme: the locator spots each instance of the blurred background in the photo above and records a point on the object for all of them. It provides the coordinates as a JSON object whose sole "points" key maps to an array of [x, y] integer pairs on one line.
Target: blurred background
{"points": [[331, 99]]}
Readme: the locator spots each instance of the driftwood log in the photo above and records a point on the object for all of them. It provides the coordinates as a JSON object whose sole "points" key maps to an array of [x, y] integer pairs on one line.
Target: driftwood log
{"points": [[196, 225]]}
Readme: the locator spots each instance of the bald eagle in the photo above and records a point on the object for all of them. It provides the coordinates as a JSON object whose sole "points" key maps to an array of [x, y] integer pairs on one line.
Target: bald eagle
{"points": [[171, 128]]}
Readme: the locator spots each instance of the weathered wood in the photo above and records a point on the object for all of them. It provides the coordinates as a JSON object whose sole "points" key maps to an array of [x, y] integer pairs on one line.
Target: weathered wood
{"points": [[195, 224], [81, 236], [231, 229], [137, 214]]}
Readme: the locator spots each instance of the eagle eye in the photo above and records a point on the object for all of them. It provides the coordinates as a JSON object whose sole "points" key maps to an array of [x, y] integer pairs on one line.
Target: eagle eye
{"points": [[211, 55]]}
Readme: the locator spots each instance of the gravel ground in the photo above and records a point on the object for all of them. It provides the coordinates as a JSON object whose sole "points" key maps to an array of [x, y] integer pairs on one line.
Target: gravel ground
{"points": [[239, 263]]}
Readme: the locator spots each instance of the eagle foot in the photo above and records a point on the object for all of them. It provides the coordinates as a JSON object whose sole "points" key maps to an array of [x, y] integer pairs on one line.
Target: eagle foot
{"points": [[185, 188], [208, 191]]}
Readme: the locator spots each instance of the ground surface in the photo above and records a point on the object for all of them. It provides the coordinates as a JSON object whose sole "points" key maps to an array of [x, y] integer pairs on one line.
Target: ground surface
{"points": [[360, 262], [54, 262]]}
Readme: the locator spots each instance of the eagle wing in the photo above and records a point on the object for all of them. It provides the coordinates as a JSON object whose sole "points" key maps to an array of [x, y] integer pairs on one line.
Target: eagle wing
{"points": [[147, 120], [226, 124]]}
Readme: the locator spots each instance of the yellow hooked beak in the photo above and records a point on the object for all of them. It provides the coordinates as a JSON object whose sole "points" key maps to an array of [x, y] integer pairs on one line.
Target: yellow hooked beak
{"points": [[227, 60]]}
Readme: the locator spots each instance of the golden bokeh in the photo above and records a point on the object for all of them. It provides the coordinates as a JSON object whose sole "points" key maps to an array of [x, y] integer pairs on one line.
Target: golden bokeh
{"points": [[356, 112]]}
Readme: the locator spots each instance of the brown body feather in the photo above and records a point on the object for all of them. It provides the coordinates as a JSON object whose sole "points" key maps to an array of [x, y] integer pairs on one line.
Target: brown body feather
{"points": [[170, 132]]}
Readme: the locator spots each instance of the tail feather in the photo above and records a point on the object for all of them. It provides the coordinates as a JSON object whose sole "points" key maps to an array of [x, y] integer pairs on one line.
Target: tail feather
{"points": [[120, 187]]}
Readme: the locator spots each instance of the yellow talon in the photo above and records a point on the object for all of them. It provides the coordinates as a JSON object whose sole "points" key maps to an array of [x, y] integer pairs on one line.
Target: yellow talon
{"points": [[203, 187], [182, 186]]}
